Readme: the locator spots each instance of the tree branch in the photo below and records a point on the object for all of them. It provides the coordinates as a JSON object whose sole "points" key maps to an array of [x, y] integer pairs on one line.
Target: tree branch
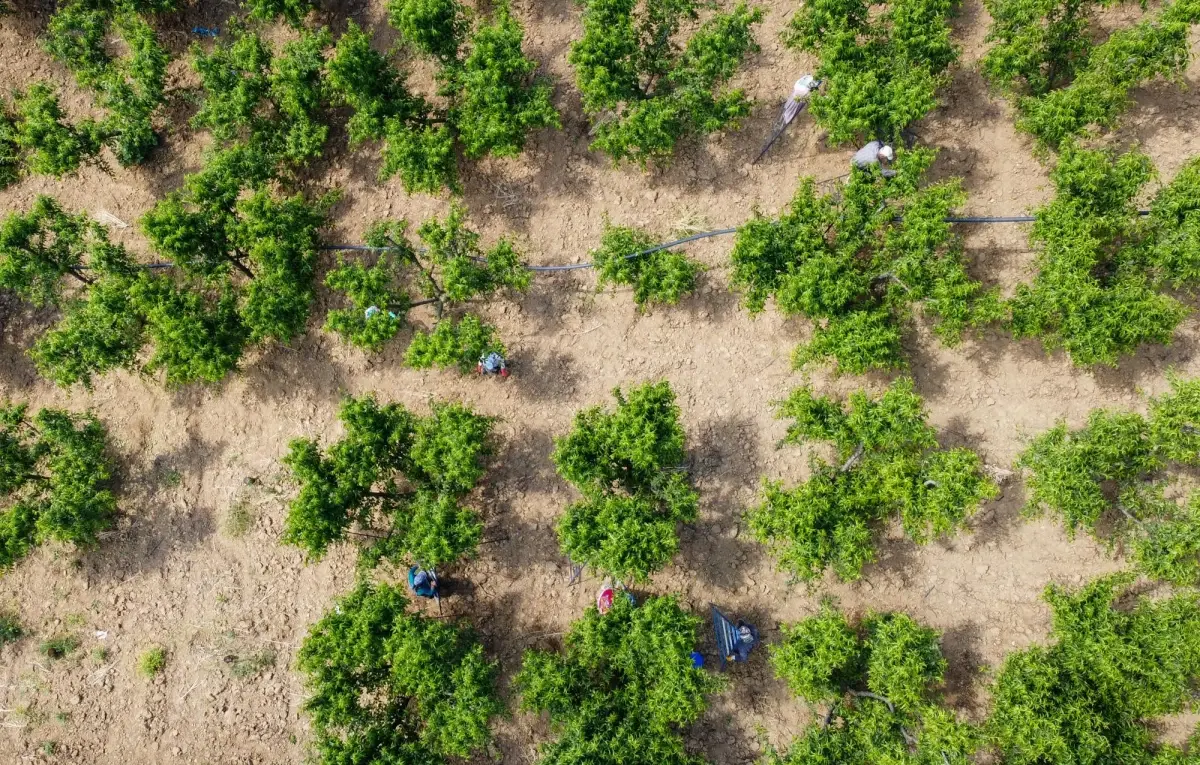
{"points": [[854, 458], [80, 277], [877, 697], [1130, 515]]}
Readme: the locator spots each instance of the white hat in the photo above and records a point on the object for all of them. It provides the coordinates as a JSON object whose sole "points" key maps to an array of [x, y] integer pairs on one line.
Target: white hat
{"points": [[807, 82], [887, 153]]}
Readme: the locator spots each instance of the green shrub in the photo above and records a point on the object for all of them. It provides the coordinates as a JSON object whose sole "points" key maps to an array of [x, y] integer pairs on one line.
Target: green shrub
{"points": [[845, 261], [10, 628], [292, 11], [880, 72], [629, 466], [59, 646], [460, 345], [888, 462], [152, 662], [643, 92], [49, 145], [356, 481], [623, 689], [384, 683], [661, 277]]}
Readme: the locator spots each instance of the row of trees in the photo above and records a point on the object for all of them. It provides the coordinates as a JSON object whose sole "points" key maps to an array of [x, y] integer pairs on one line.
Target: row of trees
{"points": [[858, 259], [55, 480], [405, 475], [1090, 697]]}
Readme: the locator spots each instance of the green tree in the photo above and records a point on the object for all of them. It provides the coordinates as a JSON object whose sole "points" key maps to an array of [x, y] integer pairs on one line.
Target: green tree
{"points": [[10, 151], [39, 248], [1089, 697], [197, 333], [888, 463], [1114, 466], [499, 99], [49, 145], [623, 689], [54, 478], [629, 466], [659, 277], [272, 102], [449, 269], [357, 481], [386, 685], [1044, 56], [880, 72], [844, 260], [98, 332], [643, 92], [1103, 269], [876, 678], [433, 27]]}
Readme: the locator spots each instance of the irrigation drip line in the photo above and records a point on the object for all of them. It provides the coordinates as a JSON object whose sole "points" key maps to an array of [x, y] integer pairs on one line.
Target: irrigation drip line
{"points": [[658, 247]]}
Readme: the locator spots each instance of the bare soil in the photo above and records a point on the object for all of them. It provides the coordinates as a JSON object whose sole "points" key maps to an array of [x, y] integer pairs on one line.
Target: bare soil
{"points": [[175, 574]]}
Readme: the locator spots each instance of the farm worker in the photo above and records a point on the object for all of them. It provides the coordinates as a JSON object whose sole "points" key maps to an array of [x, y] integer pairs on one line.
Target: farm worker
{"points": [[875, 153], [607, 592], [373, 310], [799, 97], [747, 639], [423, 583], [791, 107], [492, 364]]}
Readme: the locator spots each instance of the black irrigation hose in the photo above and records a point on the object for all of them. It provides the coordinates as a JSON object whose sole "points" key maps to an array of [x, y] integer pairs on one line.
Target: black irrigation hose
{"points": [[657, 247]]}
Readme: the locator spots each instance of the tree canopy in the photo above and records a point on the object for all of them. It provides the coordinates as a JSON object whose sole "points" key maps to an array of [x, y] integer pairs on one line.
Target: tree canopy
{"points": [[1064, 82], [888, 463], [844, 260], [1103, 270], [644, 89], [1115, 467], [622, 689], [493, 97], [54, 480], [387, 685], [661, 277], [879, 72], [877, 679], [1090, 696], [395, 471], [629, 466]]}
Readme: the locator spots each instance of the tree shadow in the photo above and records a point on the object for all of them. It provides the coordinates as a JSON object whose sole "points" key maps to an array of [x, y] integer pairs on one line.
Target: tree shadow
{"points": [[550, 375], [718, 547], [275, 373], [964, 660]]}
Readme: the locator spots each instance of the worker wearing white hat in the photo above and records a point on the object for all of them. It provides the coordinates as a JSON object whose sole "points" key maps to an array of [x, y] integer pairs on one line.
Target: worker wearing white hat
{"points": [[875, 153]]}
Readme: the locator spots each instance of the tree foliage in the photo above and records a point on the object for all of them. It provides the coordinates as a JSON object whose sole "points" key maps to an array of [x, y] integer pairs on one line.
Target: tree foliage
{"points": [[45, 142], [393, 466], [387, 685], [643, 89], [888, 463], [448, 268], [1114, 466], [877, 680], [660, 277], [271, 101], [845, 261], [629, 466], [54, 480], [292, 11], [492, 97], [880, 72], [1063, 83], [131, 88], [1102, 267], [622, 689], [1088, 697]]}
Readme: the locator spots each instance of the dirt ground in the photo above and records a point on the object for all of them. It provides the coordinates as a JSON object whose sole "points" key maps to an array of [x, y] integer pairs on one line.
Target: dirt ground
{"points": [[197, 460]]}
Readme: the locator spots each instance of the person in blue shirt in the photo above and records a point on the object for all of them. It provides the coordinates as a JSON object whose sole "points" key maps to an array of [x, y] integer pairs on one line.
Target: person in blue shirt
{"points": [[492, 364], [423, 583]]}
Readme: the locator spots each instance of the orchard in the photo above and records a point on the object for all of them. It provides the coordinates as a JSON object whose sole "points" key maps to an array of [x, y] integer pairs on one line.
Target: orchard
{"points": [[612, 382]]}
